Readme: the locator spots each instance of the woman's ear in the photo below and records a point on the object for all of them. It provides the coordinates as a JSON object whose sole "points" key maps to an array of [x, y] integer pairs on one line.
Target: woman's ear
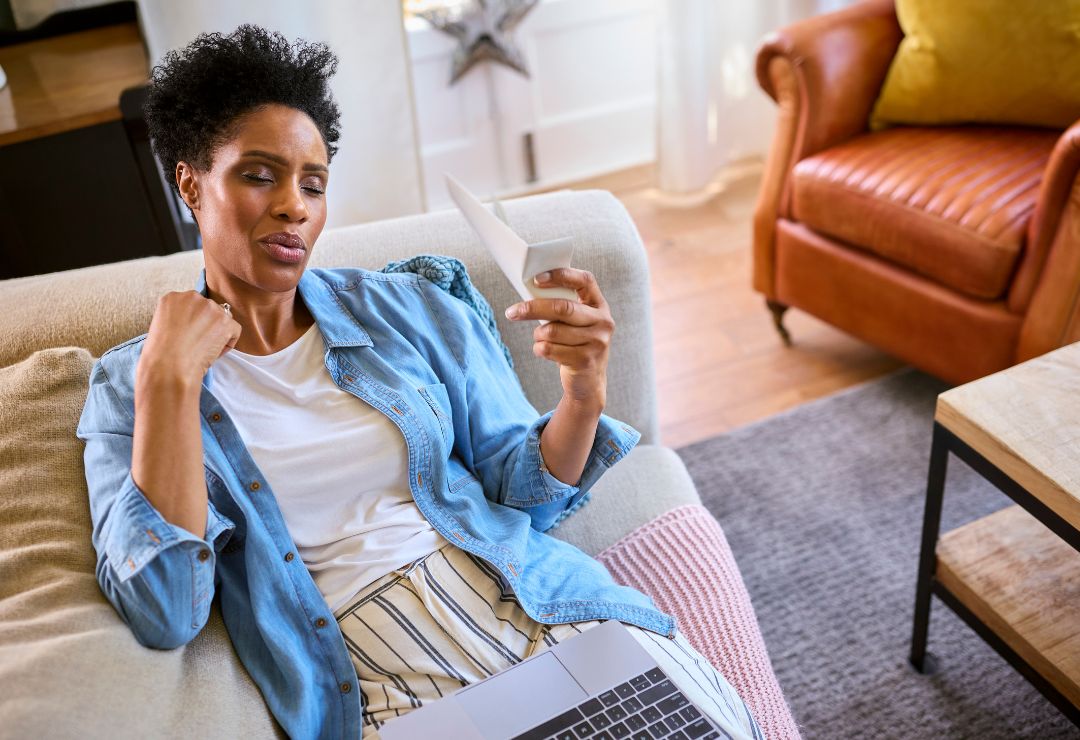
{"points": [[188, 184]]}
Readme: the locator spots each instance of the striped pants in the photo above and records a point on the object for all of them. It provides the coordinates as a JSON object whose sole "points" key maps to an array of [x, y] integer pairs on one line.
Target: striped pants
{"points": [[449, 619]]}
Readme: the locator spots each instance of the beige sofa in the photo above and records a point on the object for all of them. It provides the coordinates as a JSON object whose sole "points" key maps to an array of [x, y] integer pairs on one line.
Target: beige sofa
{"points": [[69, 667]]}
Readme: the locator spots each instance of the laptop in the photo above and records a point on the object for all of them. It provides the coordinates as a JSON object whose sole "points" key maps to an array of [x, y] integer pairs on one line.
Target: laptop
{"points": [[600, 685]]}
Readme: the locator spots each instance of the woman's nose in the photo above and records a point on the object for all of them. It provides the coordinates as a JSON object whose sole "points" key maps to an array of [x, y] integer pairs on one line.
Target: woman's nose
{"points": [[290, 204]]}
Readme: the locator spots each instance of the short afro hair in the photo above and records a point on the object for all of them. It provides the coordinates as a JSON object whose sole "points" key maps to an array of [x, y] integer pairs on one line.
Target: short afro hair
{"points": [[198, 94]]}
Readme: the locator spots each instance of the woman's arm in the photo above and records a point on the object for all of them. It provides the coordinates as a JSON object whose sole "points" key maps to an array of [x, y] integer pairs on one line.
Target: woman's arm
{"points": [[567, 440], [577, 337], [158, 576], [498, 432], [154, 562], [167, 453], [188, 332]]}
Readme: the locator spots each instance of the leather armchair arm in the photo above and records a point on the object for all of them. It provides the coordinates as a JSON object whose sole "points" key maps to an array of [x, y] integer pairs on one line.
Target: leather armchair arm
{"points": [[1047, 284], [824, 73], [834, 64]]}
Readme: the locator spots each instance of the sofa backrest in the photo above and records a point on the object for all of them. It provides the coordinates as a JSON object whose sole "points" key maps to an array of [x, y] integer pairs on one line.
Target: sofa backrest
{"points": [[99, 307]]}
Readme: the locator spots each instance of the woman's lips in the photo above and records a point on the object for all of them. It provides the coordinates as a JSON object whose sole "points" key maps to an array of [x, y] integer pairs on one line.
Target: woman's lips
{"points": [[282, 253]]}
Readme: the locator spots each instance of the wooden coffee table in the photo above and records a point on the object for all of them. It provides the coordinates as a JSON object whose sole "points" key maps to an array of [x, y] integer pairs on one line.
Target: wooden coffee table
{"points": [[1013, 576]]}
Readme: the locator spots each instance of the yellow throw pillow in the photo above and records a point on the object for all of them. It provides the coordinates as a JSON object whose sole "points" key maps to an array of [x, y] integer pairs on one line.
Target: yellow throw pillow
{"points": [[984, 61]]}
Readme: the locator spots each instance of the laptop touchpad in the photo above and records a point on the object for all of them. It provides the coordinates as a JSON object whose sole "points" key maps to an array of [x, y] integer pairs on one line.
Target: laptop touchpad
{"points": [[524, 696]]}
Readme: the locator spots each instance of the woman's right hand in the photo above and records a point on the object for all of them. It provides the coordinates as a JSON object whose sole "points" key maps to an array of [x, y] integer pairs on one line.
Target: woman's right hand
{"points": [[188, 332]]}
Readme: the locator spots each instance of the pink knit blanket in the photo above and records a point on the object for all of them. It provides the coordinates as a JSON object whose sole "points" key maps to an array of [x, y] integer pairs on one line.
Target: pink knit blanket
{"points": [[682, 560]]}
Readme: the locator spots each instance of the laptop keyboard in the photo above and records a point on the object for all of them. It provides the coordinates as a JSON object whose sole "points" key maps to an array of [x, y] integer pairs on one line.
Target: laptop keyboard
{"points": [[647, 707]]}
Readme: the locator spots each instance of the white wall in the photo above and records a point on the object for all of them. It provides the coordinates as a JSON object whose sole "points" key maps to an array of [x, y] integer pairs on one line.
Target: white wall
{"points": [[376, 172], [589, 103]]}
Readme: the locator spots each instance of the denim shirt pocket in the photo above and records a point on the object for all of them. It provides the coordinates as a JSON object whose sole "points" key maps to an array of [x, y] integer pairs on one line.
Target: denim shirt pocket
{"points": [[439, 401]]}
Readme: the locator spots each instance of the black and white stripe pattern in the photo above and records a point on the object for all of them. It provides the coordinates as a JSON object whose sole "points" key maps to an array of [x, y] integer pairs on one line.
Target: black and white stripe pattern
{"points": [[450, 619]]}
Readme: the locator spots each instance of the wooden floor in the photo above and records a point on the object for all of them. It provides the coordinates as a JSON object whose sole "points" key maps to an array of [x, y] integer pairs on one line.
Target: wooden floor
{"points": [[719, 362]]}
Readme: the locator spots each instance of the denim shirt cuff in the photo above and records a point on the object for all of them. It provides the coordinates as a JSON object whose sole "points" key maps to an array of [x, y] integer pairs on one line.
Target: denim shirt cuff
{"points": [[613, 440], [138, 533]]}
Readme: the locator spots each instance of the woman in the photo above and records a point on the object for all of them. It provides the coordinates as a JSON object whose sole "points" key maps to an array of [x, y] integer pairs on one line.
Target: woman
{"points": [[365, 422]]}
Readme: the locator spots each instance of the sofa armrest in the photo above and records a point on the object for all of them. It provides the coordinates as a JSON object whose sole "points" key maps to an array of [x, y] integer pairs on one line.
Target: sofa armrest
{"points": [[645, 484], [824, 74], [837, 62], [1047, 284]]}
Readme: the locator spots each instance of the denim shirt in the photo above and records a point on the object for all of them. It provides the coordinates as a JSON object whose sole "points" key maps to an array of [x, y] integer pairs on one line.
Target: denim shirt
{"points": [[424, 359]]}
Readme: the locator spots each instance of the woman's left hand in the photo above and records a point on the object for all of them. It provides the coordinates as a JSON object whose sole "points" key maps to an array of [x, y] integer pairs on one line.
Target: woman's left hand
{"points": [[577, 335]]}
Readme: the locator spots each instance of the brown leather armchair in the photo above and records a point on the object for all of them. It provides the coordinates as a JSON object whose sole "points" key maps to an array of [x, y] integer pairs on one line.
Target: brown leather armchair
{"points": [[956, 249]]}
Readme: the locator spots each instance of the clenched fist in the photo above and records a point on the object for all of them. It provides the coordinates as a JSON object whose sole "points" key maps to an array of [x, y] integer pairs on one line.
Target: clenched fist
{"points": [[188, 332]]}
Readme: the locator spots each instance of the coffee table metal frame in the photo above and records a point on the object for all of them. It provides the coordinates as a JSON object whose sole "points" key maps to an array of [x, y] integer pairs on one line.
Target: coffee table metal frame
{"points": [[944, 442]]}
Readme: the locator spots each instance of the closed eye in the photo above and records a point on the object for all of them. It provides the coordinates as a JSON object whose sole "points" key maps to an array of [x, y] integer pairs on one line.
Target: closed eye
{"points": [[258, 178]]}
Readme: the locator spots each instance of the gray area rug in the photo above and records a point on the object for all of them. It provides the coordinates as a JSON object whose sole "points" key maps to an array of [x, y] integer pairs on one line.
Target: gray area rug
{"points": [[823, 508]]}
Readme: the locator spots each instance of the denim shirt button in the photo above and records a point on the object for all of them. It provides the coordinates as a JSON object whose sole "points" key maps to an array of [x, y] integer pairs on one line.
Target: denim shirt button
{"points": [[204, 555], [345, 687], [288, 557], [320, 622], [215, 417]]}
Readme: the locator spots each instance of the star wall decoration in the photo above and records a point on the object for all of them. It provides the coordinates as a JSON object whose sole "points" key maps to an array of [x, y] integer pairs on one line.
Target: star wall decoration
{"points": [[483, 30]]}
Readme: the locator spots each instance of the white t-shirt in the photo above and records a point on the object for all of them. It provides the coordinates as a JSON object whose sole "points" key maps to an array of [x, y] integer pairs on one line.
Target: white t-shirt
{"points": [[337, 466]]}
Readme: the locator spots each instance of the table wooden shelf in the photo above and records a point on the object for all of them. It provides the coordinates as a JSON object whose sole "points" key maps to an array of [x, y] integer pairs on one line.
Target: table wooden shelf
{"points": [[1013, 576], [1023, 582]]}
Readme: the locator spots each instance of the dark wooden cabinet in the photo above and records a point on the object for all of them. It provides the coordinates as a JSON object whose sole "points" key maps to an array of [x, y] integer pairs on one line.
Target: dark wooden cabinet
{"points": [[78, 183], [71, 200]]}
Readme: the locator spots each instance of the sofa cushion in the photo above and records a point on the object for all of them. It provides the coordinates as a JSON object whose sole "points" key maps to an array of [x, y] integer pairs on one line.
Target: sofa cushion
{"points": [[952, 204], [68, 664]]}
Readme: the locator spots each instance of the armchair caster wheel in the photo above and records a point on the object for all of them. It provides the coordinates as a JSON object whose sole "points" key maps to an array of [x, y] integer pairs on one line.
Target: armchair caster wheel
{"points": [[778, 310]]}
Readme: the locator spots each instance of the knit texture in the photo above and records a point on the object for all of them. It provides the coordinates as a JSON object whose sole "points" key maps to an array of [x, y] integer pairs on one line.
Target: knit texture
{"points": [[450, 274], [683, 561]]}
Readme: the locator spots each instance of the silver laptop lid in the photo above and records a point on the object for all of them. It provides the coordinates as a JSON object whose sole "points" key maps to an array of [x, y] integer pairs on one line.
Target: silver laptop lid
{"points": [[530, 692]]}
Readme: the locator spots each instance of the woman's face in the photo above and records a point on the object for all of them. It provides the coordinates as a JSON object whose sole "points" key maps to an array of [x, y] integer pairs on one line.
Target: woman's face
{"points": [[269, 179]]}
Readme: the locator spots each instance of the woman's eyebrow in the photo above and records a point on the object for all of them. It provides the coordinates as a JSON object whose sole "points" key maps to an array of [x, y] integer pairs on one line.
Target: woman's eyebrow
{"points": [[282, 160]]}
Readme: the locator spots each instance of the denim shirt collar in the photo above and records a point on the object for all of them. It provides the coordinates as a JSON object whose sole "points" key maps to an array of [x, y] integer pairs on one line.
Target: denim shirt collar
{"points": [[338, 326]]}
